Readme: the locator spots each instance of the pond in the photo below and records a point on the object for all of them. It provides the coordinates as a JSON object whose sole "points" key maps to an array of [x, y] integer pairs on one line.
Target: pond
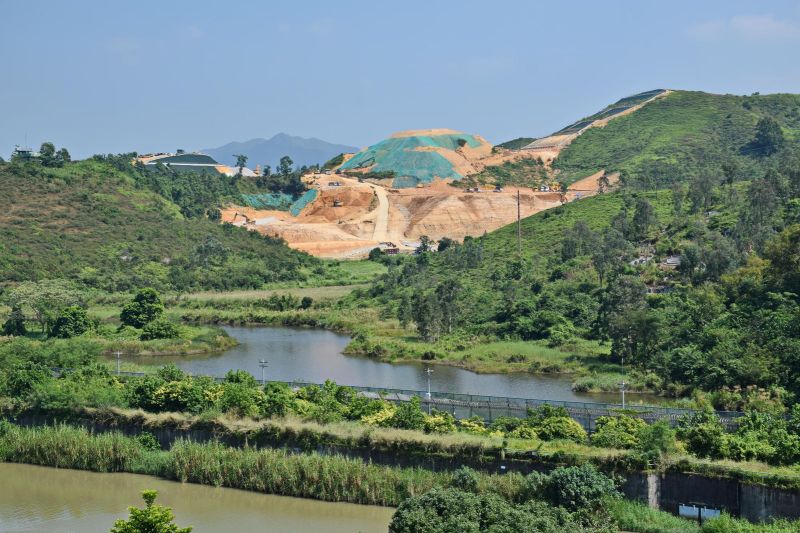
{"points": [[36, 498], [311, 355]]}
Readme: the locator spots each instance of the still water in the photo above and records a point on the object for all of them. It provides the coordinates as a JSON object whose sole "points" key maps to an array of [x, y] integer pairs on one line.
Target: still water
{"points": [[36, 498], [310, 355]]}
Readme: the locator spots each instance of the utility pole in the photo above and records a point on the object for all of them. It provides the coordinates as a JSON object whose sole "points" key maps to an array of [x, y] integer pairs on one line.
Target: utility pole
{"points": [[519, 227], [118, 354], [263, 363]]}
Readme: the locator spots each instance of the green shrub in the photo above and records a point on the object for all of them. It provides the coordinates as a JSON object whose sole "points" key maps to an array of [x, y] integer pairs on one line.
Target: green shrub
{"points": [[579, 487], [15, 324], [408, 415], [560, 428], [620, 431], [148, 441], [278, 400], [160, 328], [466, 479]]}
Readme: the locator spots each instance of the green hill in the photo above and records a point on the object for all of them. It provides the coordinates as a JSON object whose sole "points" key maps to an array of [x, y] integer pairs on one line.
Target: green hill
{"points": [[92, 221], [681, 136], [696, 287]]}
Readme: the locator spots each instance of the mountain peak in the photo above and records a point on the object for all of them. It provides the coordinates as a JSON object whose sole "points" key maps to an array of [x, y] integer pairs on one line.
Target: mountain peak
{"points": [[260, 151]]}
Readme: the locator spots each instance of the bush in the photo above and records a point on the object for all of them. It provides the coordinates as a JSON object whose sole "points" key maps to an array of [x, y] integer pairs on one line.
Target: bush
{"points": [[161, 328], [148, 441], [278, 400], [657, 438], [466, 479], [440, 422], [72, 321], [579, 487], [703, 434], [408, 415], [618, 432], [561, 428]]}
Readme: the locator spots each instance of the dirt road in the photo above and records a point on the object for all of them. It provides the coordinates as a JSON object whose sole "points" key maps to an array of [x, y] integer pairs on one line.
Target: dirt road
{"points": [[381, 233]]}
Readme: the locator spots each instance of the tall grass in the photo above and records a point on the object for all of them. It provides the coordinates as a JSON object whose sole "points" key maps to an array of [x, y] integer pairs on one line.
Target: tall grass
{"points": [[331, 478]]}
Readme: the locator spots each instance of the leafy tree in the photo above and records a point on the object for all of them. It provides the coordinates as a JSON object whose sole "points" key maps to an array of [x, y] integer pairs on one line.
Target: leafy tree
{"points": [[145, 307], [427, 315], [47, 154], [611, 254], [466, 479], [285, 166], [578, 241], [769, 137], [644, 217], [701, 192], [783, 253], [620, 431], [63, 156], [678, 194], [445, 243], [424, 244], [159, 328], [72, 321], [43, 299], [447, 298], [241, 162], [152, 518], [278, 400], [210, 252]]}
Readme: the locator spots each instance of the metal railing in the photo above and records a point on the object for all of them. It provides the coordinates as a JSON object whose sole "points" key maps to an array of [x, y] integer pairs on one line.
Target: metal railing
{"points": [[491, 407]]}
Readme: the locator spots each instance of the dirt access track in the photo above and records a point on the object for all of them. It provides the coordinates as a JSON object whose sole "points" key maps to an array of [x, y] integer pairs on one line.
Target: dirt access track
{"points": [[348, 220]]}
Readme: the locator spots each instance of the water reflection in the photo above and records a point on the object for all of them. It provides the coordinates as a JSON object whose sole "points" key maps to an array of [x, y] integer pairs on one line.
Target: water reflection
{"points": [[316, 355], [35, 498]]}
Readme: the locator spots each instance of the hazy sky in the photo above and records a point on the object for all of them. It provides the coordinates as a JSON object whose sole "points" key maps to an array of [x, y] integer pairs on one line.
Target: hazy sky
{"points": [[113, 76]]}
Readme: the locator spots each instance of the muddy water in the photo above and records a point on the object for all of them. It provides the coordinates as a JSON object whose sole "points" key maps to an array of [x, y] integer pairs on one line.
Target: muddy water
{"points": [[296, 354], [35, 498]]}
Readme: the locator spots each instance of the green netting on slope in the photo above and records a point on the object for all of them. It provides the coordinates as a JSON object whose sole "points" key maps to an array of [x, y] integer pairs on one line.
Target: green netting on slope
{"points": [[298, 205], [277, 201], [280, 201], [411, 166]]}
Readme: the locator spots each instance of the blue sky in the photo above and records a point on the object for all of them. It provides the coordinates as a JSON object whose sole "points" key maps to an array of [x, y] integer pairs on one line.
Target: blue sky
{"points": [[99, 76]]}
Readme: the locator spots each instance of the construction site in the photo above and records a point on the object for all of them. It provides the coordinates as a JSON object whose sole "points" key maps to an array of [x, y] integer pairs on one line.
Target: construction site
{"points": [[410, 185]]}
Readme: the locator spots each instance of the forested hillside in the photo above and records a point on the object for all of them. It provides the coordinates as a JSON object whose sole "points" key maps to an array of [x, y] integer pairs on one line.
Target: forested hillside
{"points": [[685, 135], [98, 221], [696, 287]]}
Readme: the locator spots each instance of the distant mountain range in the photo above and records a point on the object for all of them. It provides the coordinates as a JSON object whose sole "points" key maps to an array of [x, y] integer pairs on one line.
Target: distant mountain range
{"points": [[303, 151]]}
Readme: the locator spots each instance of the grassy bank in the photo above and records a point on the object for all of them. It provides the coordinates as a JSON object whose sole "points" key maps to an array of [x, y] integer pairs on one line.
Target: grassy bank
{"points": [[328, 478]]}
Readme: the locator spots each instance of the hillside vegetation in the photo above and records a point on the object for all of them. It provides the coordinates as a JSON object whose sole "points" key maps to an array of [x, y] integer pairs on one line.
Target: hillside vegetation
{"points": [[91, 221], [696, 287], [683, 135]]}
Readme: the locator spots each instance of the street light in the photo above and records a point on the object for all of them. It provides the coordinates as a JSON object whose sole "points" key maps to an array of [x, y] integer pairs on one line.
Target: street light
{"points": [[429, 371], [622, 385], [263, 363], [118, 354]]}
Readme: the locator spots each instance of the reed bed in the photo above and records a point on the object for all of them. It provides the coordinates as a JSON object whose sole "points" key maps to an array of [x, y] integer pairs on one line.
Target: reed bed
{"points": [[322, 477]]}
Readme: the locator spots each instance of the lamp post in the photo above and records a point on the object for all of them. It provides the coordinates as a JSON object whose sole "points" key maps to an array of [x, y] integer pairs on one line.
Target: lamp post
{"points": [[263, 363], [118, 354], [429, 371], [622, 385]]}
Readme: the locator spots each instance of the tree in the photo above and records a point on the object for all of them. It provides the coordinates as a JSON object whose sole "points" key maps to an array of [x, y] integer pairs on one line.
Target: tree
{"points": [[152, 518], [210, 252], [447, 296], [145, 307], [15, 324], [43, 299], [424, 244], [644, 217], [241, 162], [285, 166], [678, 194], [603, 184], [427, 315], [47, 154], [769, 137], [63, 156], [578, 241], [266, 171], [730, 169], [445, 243], [72, 321], [701, 192], [611, 254]]}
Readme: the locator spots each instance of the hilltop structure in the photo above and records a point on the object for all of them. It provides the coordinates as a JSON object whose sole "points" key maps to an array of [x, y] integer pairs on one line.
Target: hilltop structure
{"points": [[192, 162]]}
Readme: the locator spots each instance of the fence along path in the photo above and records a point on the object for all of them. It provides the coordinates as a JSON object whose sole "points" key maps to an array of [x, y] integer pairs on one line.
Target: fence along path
{"points": [[491, 407]]}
